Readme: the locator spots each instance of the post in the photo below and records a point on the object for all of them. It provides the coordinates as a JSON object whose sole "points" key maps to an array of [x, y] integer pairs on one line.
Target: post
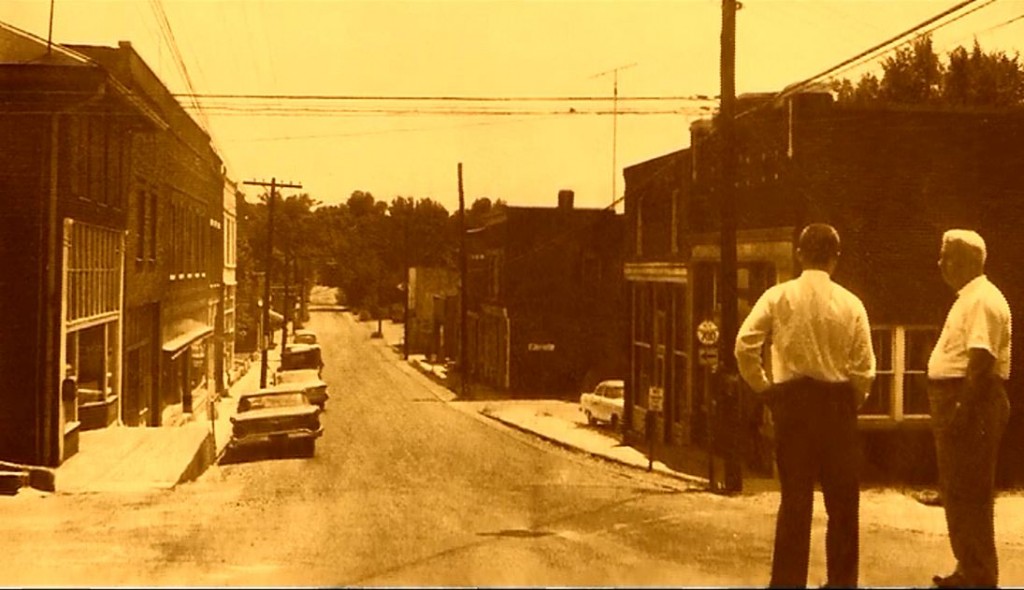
{"points": [[728, 393], [273, 184], [709, 400], [268, 263], [650, 418], [464, 291], [285, 307], [407, 291]]}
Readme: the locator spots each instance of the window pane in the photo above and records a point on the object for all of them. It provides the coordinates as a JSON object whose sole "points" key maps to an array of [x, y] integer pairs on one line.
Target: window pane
{"points": [[881, 340], [879, 401], [920, 342], [915, 394]]}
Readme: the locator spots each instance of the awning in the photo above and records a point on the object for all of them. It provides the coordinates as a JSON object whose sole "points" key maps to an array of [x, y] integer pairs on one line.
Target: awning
{"points": [[176, 345]]}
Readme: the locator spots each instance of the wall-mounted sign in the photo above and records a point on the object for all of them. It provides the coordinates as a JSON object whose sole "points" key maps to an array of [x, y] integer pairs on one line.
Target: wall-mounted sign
{"points": [[708, 356], [541, 347], [656, 399], [707, 333]]}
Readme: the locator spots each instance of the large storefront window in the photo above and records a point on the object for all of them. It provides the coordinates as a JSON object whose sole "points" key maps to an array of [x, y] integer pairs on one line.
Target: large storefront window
{"points": [[93, 257]]}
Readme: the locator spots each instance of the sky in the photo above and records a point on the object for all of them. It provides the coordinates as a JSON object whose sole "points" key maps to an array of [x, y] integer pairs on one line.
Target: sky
{"points": [[520, 151]]}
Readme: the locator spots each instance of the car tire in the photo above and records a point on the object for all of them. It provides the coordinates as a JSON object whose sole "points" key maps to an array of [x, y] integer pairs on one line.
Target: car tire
{"points": [[308, 447], [590, 418], [615, 422]]}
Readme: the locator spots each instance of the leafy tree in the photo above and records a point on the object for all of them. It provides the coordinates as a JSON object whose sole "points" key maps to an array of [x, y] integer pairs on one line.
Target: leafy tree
{"points": [[912, 75], [916, 75], [977, 78]]}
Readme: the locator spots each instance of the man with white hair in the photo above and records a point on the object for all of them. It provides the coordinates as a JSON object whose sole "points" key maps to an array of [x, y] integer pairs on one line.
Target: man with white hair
{"points": [[966, 374]]}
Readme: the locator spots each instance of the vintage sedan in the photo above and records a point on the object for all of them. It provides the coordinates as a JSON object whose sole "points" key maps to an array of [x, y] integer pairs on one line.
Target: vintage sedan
{"points": [[605, 403], [304, 336], [277, 416], [308, 380], [302, 356]]}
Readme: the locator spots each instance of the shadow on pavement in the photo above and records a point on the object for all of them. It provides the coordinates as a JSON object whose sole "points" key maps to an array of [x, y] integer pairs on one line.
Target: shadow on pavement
{"points": [[293, 449]]}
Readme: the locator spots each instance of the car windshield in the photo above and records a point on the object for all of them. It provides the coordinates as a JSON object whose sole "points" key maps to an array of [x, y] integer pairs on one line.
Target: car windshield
{"points": [[277, 400], [306, 359], [613, 391], [305, 338], [297, 376]]}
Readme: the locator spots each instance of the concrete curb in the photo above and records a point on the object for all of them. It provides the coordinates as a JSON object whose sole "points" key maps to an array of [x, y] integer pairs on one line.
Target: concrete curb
{"points": [[40, 478], [685, 477]]}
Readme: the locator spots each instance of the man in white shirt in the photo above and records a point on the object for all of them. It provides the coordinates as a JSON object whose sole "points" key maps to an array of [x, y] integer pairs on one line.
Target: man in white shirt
{"points": [[969, 407], [822, 368]]}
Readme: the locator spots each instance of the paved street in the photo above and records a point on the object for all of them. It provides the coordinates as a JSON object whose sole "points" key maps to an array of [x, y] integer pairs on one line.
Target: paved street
{"points": [[407, 490]]}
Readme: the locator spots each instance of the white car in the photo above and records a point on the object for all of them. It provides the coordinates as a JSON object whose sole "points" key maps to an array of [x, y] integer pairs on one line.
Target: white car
{"points": [[306, 379], [605, 403]]}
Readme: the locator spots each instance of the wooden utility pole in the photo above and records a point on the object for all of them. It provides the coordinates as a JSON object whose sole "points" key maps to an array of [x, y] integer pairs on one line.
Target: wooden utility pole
{"points": [[729, 390], [407, 291], [286, 305], [463, 290], [267, 332]]}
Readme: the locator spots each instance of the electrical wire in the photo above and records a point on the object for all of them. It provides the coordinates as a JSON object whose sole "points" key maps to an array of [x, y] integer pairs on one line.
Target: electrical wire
{"points": [[329, 112], [179, 61], [910, 41], [442, 98], [809, 81]]}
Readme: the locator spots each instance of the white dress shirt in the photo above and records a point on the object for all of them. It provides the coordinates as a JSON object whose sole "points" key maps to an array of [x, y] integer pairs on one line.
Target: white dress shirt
{"points": [[979, 318], [818, 329]]}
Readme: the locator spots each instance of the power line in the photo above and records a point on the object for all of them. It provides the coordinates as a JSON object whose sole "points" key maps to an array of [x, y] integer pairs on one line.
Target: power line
{"points": [[269, 111], [809, 81], [441, 98], [913, 39]]}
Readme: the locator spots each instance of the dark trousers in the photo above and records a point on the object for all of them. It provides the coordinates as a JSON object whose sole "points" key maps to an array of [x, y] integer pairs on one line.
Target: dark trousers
{"points": [[816, 440], [966, 447]]}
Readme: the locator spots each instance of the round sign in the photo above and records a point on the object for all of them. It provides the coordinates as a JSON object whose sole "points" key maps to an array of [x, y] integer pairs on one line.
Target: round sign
{"points": [[707, 333]]}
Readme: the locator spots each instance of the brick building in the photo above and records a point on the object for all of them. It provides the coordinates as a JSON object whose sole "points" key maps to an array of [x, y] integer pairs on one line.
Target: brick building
{"points": [[545, 298], [175, 268], [110, 258], [891, 180], [64, 177]]}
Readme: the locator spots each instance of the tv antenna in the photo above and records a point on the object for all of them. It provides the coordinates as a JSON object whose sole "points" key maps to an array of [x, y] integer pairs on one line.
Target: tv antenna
{"points": [[615, 120]]}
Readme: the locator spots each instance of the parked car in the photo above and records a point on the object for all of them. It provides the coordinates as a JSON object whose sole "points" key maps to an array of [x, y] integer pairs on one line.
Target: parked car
{"points": [[308, 380], [303, 336], [605, 403], [276, 416], [302, 356]]}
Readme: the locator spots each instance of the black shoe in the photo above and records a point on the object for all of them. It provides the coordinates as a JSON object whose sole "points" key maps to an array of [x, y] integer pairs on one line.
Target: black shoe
{"points": [[953, 580]]}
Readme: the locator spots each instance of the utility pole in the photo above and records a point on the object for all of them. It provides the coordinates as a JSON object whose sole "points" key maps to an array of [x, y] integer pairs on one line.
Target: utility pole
{"points": [[464, 291], [265, 345], [286, 305], [615, 123], [729, 390], [49, 35], [407, 291]]}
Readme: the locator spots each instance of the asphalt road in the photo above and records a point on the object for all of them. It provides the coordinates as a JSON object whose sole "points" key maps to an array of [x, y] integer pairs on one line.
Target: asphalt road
{"points": [[407, 490]]}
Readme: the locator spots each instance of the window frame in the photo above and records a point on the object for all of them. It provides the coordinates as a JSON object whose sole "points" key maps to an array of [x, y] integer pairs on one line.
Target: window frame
{"points": [[898, 372]]}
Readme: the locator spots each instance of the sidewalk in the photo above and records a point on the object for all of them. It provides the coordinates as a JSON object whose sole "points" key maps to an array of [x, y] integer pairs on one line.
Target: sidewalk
{"points": [[121, 458]]}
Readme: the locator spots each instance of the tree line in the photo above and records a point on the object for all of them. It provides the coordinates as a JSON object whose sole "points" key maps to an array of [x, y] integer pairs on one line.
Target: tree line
{"points": [[362, 246], [916, 75]]}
